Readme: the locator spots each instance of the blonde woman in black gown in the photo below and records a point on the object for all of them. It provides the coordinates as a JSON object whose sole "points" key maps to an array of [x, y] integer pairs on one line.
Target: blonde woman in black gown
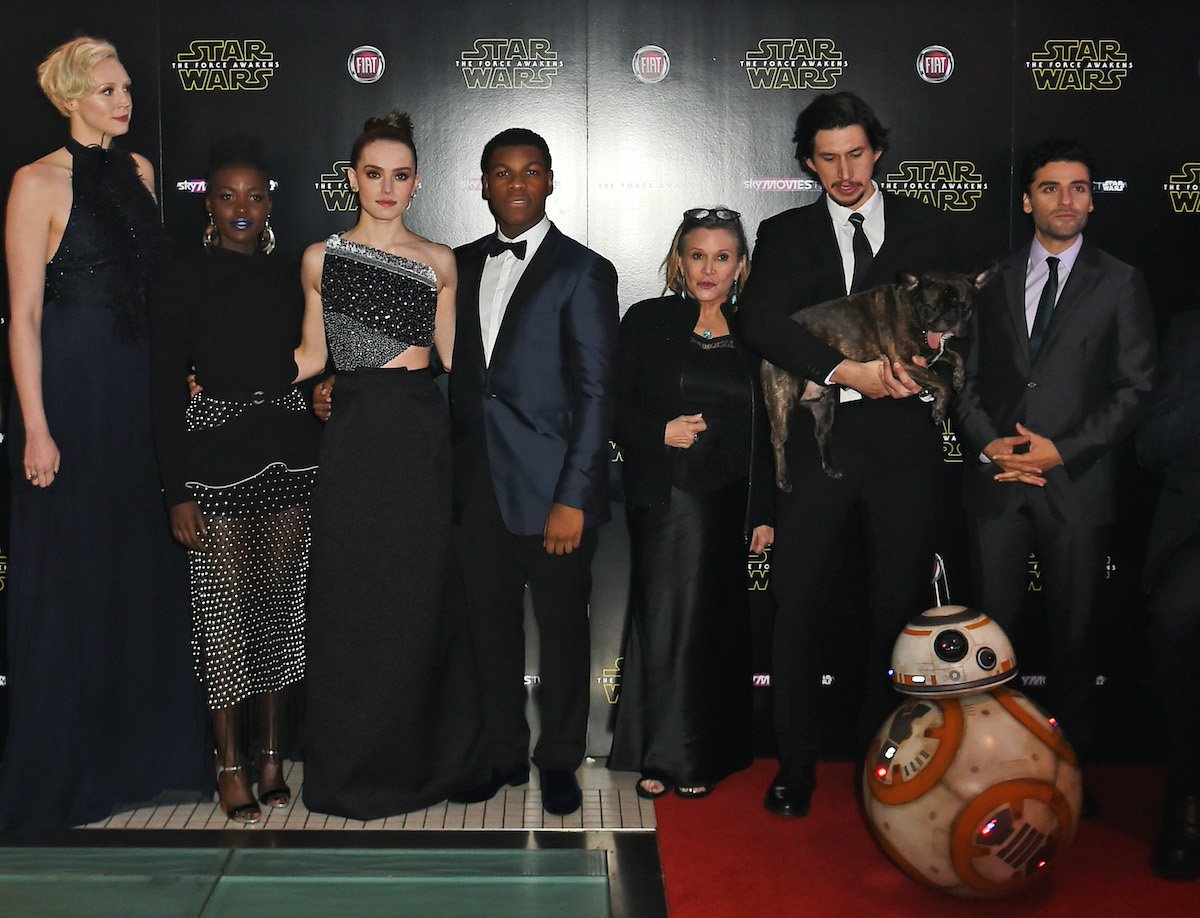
{"points": [[699, 495], [103, 706], [392, 719]]}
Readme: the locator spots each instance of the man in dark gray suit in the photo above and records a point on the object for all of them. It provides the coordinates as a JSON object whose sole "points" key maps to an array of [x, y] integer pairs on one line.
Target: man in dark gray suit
{"points": [[1061, 358]]}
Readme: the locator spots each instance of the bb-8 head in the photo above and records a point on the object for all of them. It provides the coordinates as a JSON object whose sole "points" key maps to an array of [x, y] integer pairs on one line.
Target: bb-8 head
{"points": [[951, 650]]}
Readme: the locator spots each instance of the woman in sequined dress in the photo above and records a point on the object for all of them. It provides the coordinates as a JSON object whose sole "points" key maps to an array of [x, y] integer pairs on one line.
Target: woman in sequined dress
{"points": [[698, 494], [391, 723], [238, 463], [103, 708]]}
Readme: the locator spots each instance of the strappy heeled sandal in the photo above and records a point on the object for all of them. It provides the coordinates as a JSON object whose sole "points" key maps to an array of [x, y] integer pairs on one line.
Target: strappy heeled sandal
{"points": [[247, 813], [274, 797]]}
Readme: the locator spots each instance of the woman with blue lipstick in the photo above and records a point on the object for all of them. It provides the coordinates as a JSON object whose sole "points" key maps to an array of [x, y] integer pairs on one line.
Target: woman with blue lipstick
{"points": [[238, 462]]}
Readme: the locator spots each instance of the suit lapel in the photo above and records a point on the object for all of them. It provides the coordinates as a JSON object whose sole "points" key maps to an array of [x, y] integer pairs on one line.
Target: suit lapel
{"points": [[826, 259], [1084, 276], [1013, 275], [469, 336], [539, 269]]}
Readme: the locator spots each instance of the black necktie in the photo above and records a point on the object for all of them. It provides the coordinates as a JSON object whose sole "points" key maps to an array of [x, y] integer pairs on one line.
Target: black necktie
{"points": [[862, 253], [496, 245], [1041, 319]]}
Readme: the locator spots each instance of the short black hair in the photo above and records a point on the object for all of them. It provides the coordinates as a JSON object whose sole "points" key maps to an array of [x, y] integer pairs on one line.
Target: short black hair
{"points": [[514, 137], [1054, 150], [831, 111], [238, 150]]}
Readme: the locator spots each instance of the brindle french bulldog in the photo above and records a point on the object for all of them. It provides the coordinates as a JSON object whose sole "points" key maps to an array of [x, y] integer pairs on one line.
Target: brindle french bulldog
{"points": [[897, 322]]}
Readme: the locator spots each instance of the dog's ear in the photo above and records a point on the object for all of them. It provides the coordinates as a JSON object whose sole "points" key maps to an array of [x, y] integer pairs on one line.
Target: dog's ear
{"points": [[984, 276], [909, 282]]}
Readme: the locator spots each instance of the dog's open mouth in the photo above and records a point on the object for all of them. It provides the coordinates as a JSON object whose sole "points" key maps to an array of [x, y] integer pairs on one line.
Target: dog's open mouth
{"points": [[934, 340]]}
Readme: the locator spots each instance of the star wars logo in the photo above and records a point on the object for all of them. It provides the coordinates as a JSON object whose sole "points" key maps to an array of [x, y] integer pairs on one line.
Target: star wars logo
{"points": [[758, 569], [335, 188], [1079, 64], [225, 64], [954, 186], [1184, 189], [951, 448], [794, 63], [509, 63], [1033, 582], [610, 678]]}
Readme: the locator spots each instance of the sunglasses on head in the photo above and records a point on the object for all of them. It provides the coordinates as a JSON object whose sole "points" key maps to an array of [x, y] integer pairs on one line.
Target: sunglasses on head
{"points": [[699, 213]]}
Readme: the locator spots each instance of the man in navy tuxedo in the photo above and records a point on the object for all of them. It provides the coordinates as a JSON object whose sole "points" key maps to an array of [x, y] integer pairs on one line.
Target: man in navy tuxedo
{"points": [[531, 414]]}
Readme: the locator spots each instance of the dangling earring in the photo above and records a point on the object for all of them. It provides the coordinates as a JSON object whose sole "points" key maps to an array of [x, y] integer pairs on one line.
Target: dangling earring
{"points": [[412, 197], [266, 239], [733, 299], [211, 238]]}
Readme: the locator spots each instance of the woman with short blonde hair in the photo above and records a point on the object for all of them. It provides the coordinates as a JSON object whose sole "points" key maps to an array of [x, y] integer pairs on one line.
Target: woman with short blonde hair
{"points": [[103, 706]]}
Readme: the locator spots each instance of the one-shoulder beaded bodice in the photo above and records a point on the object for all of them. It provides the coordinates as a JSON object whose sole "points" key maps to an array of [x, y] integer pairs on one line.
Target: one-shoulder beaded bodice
{"points": [[376, 304]]}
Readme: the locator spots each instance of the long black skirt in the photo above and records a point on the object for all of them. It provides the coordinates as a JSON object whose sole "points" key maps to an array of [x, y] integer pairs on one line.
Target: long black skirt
{"points": [[685, 712], [392, 721]]}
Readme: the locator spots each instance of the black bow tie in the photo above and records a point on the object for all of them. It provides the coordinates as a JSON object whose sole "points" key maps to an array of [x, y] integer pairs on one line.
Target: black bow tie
{"points": [[496, 245]]}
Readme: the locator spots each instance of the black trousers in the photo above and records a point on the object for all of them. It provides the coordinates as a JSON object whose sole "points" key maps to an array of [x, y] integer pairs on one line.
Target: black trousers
{"points": [[495, 566], [1071, 558], [1175, 647], [886, 508]]}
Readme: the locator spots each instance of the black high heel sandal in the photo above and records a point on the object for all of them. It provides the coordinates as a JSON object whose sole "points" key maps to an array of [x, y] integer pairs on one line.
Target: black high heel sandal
{"points": [[274, 797], [647, 794], [247, 813]]}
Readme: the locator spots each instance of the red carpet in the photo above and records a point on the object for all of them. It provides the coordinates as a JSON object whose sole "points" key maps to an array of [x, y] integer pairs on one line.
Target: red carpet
{"points": [[724, 855]]}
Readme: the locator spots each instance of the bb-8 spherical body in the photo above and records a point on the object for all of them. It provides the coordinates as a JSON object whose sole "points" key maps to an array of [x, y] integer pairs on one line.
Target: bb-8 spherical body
{"points": [[969, 787]]}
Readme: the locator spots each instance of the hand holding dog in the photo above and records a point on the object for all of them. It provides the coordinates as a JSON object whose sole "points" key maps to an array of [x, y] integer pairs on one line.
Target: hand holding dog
{"points": [[877, 378], [682, 432]]}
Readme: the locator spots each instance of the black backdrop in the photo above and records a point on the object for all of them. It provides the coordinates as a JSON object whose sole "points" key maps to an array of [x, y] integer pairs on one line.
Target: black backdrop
{"points": [[650, 107]]}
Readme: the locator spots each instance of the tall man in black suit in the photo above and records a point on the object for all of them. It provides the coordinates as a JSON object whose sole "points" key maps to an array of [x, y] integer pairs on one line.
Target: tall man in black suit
{"points": [[531, 413], [1061, 358], [854, 237]]}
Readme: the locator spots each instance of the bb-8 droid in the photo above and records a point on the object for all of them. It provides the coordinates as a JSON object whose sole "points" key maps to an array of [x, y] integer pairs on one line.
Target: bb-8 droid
{"points": [[969, 787]]}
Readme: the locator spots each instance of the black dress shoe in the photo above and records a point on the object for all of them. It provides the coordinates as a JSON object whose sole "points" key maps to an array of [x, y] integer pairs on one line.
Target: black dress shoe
{"points": [[560, 791], [488, 789], [1177, 848], [791, 792]]}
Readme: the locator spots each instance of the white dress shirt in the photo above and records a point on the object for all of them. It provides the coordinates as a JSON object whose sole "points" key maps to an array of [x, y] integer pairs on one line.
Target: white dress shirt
{"points": [[1037, 272], [501, 274], [872, 211], [843, 231]]}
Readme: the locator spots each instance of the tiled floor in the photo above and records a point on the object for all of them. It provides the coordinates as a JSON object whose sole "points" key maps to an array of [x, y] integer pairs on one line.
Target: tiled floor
{"points": [[609, 804]]}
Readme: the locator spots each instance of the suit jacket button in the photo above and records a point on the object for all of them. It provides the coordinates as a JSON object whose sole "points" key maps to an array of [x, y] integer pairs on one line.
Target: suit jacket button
{"points": [[1031, 385]]}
